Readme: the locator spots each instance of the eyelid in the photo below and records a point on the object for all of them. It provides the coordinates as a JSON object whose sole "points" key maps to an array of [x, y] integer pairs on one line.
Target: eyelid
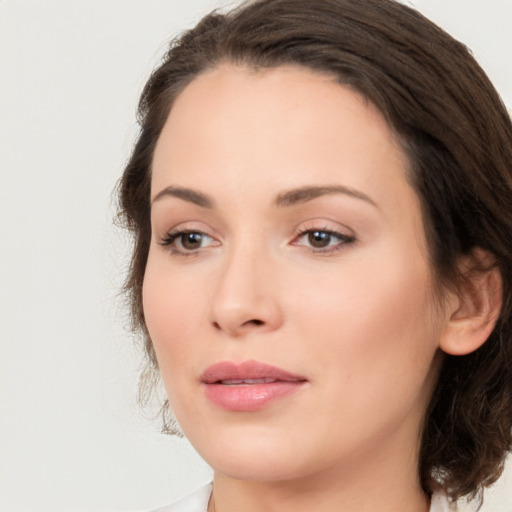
{"points": [[345, 235], [168, 238]]}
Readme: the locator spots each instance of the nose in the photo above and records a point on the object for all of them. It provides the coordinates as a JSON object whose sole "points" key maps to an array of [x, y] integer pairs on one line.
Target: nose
{"points": [[246, 298]]}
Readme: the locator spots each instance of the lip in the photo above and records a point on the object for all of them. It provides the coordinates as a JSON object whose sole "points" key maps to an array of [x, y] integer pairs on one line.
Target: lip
{"points": [[225, 384]]}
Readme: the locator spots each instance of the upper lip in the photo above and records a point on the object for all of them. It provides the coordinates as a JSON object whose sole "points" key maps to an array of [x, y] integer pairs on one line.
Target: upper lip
{"points": [[227, 370]]}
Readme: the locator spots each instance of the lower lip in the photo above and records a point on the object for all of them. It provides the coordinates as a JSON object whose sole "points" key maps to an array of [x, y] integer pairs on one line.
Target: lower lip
{"points": [[250, 397]]}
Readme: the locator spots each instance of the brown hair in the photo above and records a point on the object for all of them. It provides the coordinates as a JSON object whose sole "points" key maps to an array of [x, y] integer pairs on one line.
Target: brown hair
{"points": [[458, 136]]}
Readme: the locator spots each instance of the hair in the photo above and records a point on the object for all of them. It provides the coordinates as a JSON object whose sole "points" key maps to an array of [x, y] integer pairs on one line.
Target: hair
{"points": [[457, 135]]}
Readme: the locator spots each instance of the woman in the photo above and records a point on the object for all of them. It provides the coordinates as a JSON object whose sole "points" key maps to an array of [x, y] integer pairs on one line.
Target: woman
{"points": [[321, 199]]}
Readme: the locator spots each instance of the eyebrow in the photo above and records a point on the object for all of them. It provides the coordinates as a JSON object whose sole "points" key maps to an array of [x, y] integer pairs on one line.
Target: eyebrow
{"points": [[304, 194], [187, 194], [284, 199]]}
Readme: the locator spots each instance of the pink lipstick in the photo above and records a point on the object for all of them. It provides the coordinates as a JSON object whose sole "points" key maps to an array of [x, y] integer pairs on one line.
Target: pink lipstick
{"points": [[248, 386]]}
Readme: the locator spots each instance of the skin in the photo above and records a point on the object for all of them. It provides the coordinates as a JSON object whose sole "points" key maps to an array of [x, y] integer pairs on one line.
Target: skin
{"points": [[358, 318]]}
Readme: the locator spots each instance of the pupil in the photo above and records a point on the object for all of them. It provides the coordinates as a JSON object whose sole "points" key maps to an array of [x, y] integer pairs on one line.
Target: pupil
{"points": [[319, 238], [191, 240]]}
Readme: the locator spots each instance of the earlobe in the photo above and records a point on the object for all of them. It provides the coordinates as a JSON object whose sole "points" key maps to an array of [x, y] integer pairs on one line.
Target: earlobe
{"points": [[476, 307]]}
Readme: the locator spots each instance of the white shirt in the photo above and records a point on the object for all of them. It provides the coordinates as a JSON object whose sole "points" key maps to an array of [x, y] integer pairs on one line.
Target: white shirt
{"points": [[198, 502]]}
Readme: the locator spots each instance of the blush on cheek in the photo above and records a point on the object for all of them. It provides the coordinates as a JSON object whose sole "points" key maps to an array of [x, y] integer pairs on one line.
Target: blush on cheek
{"points": [[172, 319]]}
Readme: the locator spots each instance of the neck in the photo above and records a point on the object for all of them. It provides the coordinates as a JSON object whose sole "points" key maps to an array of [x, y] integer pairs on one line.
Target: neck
{"points": [[375, 486], [263, 497]]}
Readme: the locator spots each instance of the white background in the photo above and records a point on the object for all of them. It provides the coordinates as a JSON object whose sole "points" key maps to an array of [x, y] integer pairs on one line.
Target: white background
{"points": [[72, 436]]}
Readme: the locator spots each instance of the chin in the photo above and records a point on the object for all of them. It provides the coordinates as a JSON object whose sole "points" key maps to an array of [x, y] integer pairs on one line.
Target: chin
{"points": [[263, 468], [252, 454]]}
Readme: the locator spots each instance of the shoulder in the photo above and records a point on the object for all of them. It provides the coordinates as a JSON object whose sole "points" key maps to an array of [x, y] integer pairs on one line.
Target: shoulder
{"points": [[440, 503], [195, 502]]}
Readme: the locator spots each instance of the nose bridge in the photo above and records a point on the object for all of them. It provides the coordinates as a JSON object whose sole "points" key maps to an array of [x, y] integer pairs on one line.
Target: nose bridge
{"points": [[245, 297]]}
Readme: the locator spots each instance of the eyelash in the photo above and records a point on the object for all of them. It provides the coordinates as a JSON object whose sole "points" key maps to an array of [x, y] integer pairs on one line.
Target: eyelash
{"points": [[343, 238], [169, 239]]}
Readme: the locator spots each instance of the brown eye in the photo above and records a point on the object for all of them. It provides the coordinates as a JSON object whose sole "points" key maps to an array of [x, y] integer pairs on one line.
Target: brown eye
{"points": [[323, 241], [187, 242], [319, 239], [191, 241]]}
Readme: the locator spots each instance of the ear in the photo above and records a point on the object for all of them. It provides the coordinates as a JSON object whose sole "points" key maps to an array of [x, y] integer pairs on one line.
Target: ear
{"points": [[475, 306]]}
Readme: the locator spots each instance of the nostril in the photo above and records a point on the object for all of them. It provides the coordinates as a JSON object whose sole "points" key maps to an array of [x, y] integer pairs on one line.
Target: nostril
{"points": [[238, 327]]}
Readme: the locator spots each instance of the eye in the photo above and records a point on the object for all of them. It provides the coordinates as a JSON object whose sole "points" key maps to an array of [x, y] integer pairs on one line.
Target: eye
{"points": [[187, 242], [323, 240]]}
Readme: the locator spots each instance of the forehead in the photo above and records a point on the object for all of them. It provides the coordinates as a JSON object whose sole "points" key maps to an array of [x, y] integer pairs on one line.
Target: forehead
{"points": [[234, 129], [242, 101]]}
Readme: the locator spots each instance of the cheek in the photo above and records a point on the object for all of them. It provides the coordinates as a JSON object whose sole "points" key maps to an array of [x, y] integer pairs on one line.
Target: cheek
{"points": [[370, 320], [372, 337], [171, 315], [175, 314]]}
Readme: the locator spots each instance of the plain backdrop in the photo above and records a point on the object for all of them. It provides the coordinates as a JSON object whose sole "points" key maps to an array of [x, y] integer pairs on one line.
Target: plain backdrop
{"points": [[72, 435]]}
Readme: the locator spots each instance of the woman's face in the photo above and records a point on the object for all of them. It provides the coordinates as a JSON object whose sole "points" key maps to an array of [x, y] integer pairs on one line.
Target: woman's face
{"points": [[287, 291]]}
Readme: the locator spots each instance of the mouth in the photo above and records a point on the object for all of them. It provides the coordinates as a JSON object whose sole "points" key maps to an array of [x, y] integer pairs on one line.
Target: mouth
{"points": [[248, 386], [238, 382]]}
